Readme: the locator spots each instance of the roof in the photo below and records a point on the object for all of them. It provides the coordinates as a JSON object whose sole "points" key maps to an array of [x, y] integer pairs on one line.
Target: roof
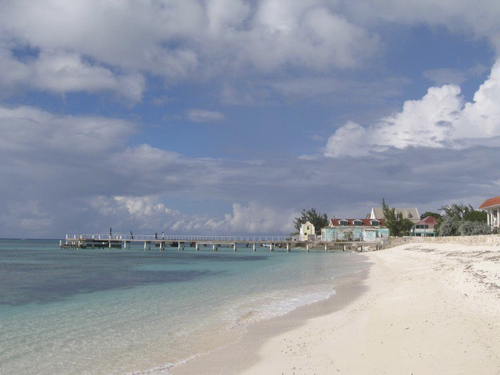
{"points": [[429, 220], [350, 222], [407, 212], [490, 202]]}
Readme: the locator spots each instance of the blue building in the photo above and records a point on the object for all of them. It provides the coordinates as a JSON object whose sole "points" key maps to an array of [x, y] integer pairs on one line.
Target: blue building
{"points": [[368, 230]]}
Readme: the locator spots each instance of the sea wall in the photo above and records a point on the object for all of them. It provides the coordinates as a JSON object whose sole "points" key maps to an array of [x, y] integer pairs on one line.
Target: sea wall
{"points": [[490, 239]]}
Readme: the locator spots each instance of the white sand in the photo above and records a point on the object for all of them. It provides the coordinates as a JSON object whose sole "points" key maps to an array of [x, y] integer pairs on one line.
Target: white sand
{"points": [[427, 309]]}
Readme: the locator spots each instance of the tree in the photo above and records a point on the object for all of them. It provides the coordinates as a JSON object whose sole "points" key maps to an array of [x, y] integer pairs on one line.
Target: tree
{"points": [[477, 216], [456, 211], [398, 226], [449, 227], [472, 228], [464, 220], [316, 218]]}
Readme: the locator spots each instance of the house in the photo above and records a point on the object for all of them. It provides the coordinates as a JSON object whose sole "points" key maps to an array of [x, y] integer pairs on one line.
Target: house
{"points": [[424, 228], [354, 230], [492, 208], [408, 213], [307, 232]]}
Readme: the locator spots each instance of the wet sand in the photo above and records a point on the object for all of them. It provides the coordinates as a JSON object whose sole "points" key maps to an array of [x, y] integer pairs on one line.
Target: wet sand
{"points": [[420, 309]]}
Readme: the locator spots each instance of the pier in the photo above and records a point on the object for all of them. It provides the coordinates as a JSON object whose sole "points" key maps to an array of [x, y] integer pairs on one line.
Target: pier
{"points": [[210, 243]]}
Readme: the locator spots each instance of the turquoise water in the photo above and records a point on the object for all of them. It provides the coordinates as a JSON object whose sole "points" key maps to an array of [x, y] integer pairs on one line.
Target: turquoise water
{"points": [[130, 311]]}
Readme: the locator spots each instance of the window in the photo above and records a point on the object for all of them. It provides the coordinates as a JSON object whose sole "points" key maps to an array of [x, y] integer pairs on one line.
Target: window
{"points": [[343, 222], [375, 223], [308, 227], [358, 222]]}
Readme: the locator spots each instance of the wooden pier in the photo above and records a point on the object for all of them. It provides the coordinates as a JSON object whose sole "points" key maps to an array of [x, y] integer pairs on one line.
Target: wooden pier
{"points": [[211, 243]]}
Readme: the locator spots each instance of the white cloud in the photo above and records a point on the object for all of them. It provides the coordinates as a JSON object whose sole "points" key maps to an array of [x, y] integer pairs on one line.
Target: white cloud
{"points": [[306, 34], [203, 115], [257, 218], [180, 39], [440, 119], [144, 213], [93, 45], [481, 117], [64, 72], [67, 174], [67, 72], [29, 129]]}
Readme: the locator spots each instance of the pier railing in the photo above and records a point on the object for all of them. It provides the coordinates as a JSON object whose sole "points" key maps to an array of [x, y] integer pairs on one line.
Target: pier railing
{"points": [[176, 238]]}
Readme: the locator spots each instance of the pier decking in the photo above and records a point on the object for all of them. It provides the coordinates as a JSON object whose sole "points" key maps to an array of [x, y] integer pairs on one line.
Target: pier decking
{"points": [[213, 243]]}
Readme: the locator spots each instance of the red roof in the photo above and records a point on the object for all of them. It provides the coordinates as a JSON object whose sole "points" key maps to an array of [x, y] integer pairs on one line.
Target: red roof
{"points": [[350, 222], [430, 220], [490, 202]]}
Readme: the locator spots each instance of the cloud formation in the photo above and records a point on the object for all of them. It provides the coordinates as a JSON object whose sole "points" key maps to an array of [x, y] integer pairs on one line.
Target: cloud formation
{"points": [[203, 115], [66, 174], [63, 72], [440, 119], [102, 45]]}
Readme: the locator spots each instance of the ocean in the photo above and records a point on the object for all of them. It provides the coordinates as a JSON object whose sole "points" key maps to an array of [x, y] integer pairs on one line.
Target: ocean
{"points": [[115, 311]]}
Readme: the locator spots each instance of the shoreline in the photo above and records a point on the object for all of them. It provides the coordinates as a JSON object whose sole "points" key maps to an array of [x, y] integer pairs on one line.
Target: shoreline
{"points": [[421, 309], [243, 352]]}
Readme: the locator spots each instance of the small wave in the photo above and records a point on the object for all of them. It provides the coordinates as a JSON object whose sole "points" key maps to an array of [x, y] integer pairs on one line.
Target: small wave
{"points": [[277, 305], [259, 309]]}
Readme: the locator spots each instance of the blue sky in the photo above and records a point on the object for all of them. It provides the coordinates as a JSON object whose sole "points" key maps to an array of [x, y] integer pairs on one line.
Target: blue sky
{"points": [[231, 116]]}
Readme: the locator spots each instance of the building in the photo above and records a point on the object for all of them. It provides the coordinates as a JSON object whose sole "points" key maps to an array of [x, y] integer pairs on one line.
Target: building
{"points": [[424, 228], [408, 213], [492, 208], [369, 230], [307, 232]]}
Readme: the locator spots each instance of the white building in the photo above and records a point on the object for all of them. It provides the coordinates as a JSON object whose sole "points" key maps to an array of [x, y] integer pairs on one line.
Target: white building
{"points": [[407, 213], [492, 208], [307, 232]]}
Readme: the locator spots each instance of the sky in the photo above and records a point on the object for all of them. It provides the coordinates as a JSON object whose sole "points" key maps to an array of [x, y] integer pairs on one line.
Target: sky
{"points": [[231, 116]]}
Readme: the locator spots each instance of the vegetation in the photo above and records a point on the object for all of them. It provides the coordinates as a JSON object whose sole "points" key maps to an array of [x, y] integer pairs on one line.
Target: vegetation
{"points": [[462, 220], [471, 228], [397, 225], [316, 218], [448, 227], [463, 212]]}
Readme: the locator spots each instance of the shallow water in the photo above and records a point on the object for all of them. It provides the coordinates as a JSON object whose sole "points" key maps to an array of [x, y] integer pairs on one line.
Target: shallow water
{"points": [[122, 311]]}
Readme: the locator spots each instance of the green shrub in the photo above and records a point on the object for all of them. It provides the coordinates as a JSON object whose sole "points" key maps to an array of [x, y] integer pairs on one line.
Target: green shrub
{"points": [[471, 228], [449, 227]]}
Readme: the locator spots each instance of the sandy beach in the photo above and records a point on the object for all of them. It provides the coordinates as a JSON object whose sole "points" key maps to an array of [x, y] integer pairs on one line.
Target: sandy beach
{"points": [[419, 309]]}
